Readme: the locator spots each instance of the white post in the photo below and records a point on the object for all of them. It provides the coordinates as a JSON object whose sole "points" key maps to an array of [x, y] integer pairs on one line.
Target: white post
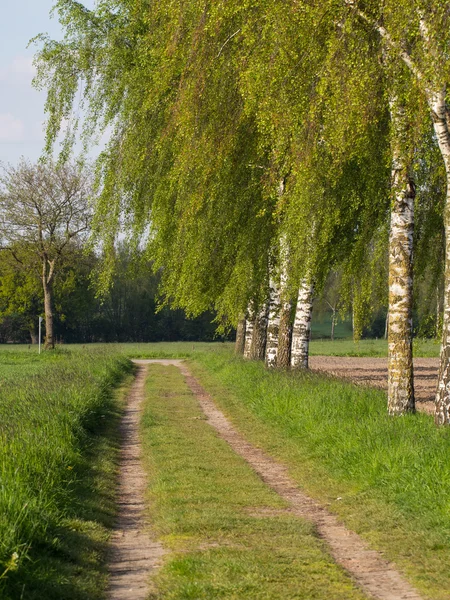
{"points": [[40, 321]]}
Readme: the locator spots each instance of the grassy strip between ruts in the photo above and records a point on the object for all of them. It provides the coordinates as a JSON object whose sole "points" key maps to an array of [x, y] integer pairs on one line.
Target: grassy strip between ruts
{"points": [[58, 455], [207, 507], [389, 479]]}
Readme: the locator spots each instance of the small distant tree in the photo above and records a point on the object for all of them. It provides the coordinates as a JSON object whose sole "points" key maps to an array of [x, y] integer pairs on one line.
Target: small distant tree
{"points": [[44, 211]]}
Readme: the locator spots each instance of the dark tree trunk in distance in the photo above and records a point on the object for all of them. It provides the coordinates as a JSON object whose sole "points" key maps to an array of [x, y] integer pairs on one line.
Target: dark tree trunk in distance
{"points": [[258, 347], [240, 337], [48, 307]]}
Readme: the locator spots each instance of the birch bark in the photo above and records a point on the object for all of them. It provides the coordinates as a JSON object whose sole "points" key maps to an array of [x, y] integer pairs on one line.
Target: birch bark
{"points": [[248, 337], [285, 331], [284, 336], [400, 363], [302, 326], [273, 325]]}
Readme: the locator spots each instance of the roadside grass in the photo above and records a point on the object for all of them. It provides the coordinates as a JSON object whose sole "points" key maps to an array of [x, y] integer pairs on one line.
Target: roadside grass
{"points": [[206, 507], [131, 350], [172, 349], [387, 478], [58, 455]]}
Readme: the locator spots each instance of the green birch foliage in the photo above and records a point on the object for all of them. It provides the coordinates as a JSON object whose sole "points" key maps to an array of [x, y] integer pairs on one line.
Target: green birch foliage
{"points": [[318, 93], [181, 152], [210, 105]]}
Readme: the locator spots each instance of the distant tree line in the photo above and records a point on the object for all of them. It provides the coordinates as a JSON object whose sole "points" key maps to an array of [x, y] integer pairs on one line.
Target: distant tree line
{"points": [[128, 312]]}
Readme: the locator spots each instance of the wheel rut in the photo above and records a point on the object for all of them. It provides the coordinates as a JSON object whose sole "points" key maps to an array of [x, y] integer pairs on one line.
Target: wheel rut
{"points": [[135, 561], [133, 554]]}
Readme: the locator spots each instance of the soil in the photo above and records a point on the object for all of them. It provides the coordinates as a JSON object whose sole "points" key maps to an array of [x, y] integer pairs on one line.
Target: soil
{"points": [[135, 556], [373, 372]]}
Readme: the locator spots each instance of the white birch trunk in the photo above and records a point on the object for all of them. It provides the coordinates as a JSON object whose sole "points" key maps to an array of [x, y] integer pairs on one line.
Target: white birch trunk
{"points": [[400, 360], [249, 326], [284, 331], [273, 325], [400, 363], [440, 118], [248, 338], [302, 326]]}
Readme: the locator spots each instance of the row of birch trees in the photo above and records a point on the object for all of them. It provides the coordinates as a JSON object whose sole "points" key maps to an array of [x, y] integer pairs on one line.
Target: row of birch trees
{"points": [[254, 147]]}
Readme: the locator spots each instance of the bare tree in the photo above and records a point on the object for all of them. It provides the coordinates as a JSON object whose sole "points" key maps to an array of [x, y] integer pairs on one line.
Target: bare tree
{"points": [[44, 210]]}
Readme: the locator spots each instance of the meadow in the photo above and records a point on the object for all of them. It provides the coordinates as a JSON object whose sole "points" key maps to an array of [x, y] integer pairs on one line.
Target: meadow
{"points": [[423, 347], [58, 446], [388, 479]]}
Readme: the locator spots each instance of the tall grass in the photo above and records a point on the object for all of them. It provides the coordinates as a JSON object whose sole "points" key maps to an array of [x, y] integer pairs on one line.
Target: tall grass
{"points": [[50, 413]]}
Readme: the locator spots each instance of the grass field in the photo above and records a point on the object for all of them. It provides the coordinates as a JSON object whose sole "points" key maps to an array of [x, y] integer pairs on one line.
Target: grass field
{"points": [[58, 447], [389, 479], [339, 347], [424, 348]]}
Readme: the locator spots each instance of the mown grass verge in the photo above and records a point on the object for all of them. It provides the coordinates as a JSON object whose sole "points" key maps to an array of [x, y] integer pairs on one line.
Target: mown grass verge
{"points": [[389, 479], [58, 450], [206, 506]]}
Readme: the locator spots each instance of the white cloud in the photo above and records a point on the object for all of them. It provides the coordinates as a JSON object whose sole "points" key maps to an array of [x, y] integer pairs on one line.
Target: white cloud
{"points": [[12, 129], [19, 71]]}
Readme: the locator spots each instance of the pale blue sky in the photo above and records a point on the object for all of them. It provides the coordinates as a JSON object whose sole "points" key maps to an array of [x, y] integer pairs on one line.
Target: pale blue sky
{"points": [[22, 107]]}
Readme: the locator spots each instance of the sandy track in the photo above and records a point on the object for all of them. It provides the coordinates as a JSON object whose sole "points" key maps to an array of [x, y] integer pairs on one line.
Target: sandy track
{"points": [[373, 371], [135, 557]]}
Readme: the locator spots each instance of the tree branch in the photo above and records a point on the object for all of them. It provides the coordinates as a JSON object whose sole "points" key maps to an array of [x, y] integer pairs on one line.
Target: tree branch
{"points": [[402, 53], [227, 40]]}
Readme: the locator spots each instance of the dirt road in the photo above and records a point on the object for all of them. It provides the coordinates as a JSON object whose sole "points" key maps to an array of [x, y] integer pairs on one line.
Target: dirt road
{"points": [[135, 556]]}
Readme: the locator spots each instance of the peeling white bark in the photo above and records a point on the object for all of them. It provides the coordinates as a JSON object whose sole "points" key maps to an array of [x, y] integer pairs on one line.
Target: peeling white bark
{"points": [[249, 326], [400, 364], [302, 326], [273, 325], [284, 331], [400, 360]]}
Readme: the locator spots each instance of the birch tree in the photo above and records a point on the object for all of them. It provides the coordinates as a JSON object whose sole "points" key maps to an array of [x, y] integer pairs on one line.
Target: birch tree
{"points": [[204, 119], [301, 332], [422, 47]]}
